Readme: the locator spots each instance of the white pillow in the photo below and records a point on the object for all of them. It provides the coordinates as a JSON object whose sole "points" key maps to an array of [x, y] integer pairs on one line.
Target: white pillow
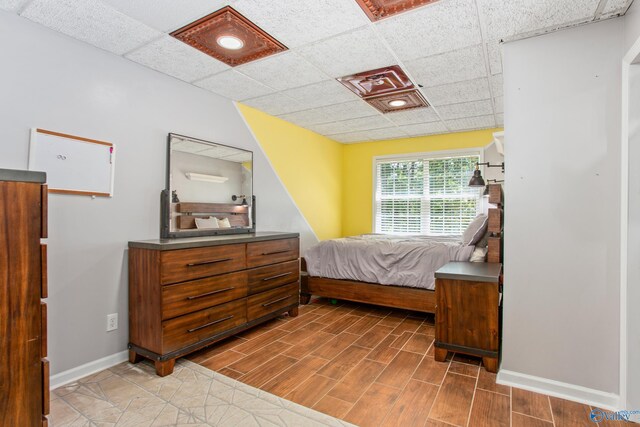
{"points": [[224, 223], [475, 230], [479, 254], [210, 222]]}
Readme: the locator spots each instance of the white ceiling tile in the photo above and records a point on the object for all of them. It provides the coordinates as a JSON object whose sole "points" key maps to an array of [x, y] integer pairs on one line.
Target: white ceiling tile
{"points": [[93, 22], [456, 66], [497, 85], [12, 5], [465, 109], [500, 119], [494, 51], [472, 90], [506, 19], [167, 15], [177, 59], [298, 22], [415, 116], [386, 133], [436, 28], [234, 85], [352, 125], [283, 71], [331, 113], [274, 104], [615, 6], [320, 94], [424, 129], [470, 123], [498, 102], [349, 53], [350, 137]]}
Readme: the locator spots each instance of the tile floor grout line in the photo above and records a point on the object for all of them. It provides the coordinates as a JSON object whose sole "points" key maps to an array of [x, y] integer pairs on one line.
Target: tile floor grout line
{"points": [[533, 416], [473, 398], [553, 419], [441, 384]]}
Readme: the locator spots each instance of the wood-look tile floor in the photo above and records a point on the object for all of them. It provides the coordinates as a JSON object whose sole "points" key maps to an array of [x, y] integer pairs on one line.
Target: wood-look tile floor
{"points": [[373, 366]]}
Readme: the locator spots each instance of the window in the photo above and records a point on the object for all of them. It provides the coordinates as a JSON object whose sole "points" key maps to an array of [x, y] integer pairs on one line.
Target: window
{"points": [[425, 195]]}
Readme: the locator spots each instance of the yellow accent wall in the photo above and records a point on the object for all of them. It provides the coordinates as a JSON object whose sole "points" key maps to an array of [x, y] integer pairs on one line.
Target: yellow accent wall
{"points": [[357, 170], [309, 165]]}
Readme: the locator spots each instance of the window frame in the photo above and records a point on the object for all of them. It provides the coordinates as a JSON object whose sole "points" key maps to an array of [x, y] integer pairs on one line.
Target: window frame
{"points": [[428, 155]]}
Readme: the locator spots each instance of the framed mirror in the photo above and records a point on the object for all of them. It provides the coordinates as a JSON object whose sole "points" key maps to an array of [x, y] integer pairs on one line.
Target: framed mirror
{"points": [[209, 189]]}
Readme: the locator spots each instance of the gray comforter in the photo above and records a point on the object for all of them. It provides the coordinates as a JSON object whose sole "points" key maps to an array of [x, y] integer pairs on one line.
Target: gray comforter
{"points": [[387, 260]]}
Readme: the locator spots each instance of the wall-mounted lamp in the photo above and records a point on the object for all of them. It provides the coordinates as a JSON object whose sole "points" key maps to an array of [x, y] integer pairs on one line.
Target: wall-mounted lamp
{"points": [[242, 196], [206, 178], [476, 179]]}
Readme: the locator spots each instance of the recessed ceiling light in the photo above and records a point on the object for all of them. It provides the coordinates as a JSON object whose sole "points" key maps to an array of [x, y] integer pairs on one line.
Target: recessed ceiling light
{"points": [[230, 42], [398, 103]]}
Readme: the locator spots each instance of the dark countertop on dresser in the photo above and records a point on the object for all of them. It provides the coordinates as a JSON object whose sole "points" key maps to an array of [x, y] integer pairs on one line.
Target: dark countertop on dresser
{"points": [[198, 242], [472, 271], [22, 176]]}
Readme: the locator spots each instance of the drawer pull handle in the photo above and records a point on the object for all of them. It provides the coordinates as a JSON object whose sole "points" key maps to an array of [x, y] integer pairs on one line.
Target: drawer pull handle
{"points": [[274, 253], [267, 304], [210, 323], [215, 261], [277, 276], [210, 293]]}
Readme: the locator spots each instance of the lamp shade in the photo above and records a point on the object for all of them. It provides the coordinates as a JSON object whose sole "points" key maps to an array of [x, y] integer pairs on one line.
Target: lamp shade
{"points": [[476, 179]]}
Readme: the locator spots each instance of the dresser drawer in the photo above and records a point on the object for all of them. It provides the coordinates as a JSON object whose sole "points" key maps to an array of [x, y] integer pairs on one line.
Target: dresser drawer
{"points": [[271, 252], [264, 278], [192, 328], [271, 301], [187, 297], [187, 264]]}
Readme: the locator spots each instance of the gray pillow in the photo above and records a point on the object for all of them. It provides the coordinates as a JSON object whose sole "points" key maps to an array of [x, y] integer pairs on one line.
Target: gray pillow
{"points": [[475, 230]]}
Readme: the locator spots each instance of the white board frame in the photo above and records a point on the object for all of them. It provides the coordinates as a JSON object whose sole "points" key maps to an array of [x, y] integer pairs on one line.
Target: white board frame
{"points": [[35, 159]]}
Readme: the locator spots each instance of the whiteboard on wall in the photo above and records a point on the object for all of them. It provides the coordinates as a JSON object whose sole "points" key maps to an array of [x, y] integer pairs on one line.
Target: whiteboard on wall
{"points": [[74, 164]]}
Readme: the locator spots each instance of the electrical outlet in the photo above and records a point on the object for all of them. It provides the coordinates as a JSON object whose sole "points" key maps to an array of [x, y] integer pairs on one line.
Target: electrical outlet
{"points": [[112, 322]]}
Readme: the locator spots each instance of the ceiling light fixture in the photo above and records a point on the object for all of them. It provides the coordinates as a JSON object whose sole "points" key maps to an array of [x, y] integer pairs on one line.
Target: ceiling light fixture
{"points": [[230, 42], [398, 103], [206, 178]]}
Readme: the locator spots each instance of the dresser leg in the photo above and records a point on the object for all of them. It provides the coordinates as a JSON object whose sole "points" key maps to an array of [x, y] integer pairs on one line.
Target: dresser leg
{"points": [[440, 354], [293, 312], [165, 368], [134, 357], [490, 364], [305, 298]]}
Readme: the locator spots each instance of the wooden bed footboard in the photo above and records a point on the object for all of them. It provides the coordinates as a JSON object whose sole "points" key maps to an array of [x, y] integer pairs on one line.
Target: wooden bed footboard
{"points": [[416, 299]]}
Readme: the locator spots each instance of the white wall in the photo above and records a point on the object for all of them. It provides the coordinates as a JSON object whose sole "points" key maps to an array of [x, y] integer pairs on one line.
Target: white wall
{"points": [[51, 81], [562, 133]]}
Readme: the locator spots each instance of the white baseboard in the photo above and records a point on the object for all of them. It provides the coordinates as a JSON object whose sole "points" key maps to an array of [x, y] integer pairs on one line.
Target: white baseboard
{"points": [[576, 393], [81, 371]]}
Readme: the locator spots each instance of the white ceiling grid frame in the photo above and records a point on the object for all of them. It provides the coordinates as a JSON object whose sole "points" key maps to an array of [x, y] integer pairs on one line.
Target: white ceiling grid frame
{"points": [[420, 129], [275, 104], [455, 93], [449, 67], [322, 93], [93, 22], [359, 124], [331, 113], [386, 133], [485, 49], [472, 123], [234, 85], [415, 115], [350, 137], [285, 70], [13, 5], [177, 59], [466, 109]]}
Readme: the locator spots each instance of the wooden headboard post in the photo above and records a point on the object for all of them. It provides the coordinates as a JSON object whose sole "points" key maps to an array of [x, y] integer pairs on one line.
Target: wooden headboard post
{"points": [[238, 215], [496, 216]]}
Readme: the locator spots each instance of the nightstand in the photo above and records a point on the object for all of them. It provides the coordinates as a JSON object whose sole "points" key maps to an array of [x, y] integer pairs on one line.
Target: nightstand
{"points": [[468, 297]]}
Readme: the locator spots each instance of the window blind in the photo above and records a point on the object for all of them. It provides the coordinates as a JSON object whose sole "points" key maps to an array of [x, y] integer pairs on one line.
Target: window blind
{"points": [[425, 195]]}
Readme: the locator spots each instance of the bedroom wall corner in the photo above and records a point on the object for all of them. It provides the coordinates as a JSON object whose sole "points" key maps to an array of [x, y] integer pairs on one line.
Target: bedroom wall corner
{"points": [[357, 191], [308, 164]]}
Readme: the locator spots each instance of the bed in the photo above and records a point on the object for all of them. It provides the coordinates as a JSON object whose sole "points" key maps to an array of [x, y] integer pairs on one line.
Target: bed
{"points": [[392, 271]]}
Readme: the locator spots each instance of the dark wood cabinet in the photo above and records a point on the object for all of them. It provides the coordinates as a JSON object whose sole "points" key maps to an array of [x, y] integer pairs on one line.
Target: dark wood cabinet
{"points": [[185, 294], [24, 371], [468, 311]]}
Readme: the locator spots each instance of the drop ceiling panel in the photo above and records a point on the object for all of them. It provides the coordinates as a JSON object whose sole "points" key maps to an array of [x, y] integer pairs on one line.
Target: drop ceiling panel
{"points": [[471, 90], [283, 71], [459, 65], [410, 117], [386, 133], [498, 103], [494, 51], [320, 94], [93, 22], [176, 59], [349, 53], [615, 6], [424, 129], [497, 85], [500, 119], [352, 125], [466, 109], [505, 19], [12, 5], [167, 15], [298, 22], [436, 28], [470, 123], [234, 85], [332, 113], [350, 137], [275, 104]]}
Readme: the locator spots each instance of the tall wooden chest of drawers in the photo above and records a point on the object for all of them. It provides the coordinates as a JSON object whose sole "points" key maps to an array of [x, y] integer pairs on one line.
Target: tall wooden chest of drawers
{"points": [[185, 294], [24, 370]]}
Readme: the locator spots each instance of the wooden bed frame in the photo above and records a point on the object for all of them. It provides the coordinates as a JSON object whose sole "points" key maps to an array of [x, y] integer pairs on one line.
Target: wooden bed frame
{"points": [[415, 299]]}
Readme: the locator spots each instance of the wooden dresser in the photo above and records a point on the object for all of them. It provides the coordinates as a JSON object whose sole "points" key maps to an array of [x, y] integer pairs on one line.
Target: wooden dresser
{"points": [[185, 294], [24, 371]]}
